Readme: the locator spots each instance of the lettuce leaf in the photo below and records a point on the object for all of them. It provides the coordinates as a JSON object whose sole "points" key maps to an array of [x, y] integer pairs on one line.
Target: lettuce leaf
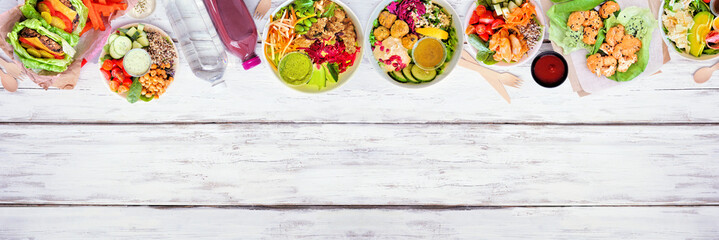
{"points": [[559, 33], [53, 65], [640, 23], [29, 10]]}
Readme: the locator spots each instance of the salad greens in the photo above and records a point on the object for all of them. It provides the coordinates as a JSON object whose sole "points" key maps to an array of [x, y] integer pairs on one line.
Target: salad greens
{"points": [[559, 33], [484, 55], [135, 90], [640, 23]]}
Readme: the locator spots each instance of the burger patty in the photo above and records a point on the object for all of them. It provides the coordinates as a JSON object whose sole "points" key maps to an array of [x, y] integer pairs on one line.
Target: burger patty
{"points": [[45, 40]]}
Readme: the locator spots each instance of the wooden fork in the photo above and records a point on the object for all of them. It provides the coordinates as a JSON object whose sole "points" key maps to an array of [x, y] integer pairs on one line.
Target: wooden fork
{"points": [[262, 7], [507, 79], [13, 70]]}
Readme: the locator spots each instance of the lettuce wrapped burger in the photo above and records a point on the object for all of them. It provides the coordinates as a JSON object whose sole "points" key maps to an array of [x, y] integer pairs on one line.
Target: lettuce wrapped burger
{"points": [[67, 18], [39, 48]]}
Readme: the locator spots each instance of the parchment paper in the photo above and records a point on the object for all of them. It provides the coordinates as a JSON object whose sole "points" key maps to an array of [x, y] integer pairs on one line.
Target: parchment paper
{"points": [[87, 47], [584, 82]]}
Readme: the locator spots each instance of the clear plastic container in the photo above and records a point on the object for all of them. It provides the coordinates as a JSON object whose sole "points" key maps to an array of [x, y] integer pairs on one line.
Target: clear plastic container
{"points": [[236, 28], [198, 39]]}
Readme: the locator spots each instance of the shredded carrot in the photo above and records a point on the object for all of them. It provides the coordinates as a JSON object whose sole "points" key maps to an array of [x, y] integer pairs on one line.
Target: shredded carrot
{"points": [[280, 36], [521, 15]]}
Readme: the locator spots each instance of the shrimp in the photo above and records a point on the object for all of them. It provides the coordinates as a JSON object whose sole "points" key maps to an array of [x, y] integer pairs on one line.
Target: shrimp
{"points": [[608, 8], [576, 20]]}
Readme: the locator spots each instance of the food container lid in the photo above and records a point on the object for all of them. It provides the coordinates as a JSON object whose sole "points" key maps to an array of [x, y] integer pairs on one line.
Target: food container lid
{"points": [[252, 62]]}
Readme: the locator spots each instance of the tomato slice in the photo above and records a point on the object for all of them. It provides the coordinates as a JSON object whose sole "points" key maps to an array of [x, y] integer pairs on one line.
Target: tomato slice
{"points": [[474, 19], [106, 73], [118, 73], [497, 23], [486, 18], [481, 9], [484, 36], [470, 30], [108, 65], [480, 29]]}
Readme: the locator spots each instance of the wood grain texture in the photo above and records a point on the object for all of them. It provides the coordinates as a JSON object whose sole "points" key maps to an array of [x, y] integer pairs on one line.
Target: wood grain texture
{"points": [[348, 164], [503, 223], [256, 96]]}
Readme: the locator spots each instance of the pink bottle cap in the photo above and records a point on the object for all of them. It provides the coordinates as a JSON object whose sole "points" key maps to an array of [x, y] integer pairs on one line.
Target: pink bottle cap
{"points": [[252, 62]]}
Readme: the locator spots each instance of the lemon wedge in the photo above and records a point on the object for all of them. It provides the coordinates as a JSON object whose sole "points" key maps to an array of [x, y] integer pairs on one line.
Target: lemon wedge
{"points": [[433, 32]]}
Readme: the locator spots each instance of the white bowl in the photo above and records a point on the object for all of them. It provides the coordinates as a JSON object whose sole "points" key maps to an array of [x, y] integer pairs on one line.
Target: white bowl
{"points": [[456, 22], [671, 44], [147, 27], [344, 77], [530, 54]]}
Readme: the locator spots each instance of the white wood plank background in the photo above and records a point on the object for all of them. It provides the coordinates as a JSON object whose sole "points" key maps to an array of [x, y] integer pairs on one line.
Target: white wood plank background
{"points": [[501, 223], [369, 160]]}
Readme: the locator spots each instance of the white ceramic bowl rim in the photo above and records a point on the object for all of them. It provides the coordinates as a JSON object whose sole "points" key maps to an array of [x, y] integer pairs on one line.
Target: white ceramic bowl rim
{"points": [[344, 77], [456, 22], [530, 54]]}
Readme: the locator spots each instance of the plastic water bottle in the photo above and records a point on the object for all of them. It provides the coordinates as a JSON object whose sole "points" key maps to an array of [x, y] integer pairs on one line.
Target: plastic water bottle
{"points": [[198, 38]]}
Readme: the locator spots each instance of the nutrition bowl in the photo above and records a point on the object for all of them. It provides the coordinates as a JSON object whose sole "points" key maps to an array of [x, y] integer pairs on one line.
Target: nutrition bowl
{"points": [[530, 54], [147, 28], [343, 77], [453, 60]]}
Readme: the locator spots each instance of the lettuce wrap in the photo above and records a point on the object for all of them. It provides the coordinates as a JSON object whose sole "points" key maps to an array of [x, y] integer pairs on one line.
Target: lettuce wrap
{"points": [[640, 23], [53, 65], [559, 33], [29, 10]]}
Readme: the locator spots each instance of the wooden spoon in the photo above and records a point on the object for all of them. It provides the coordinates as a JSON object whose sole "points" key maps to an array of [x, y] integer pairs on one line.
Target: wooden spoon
{"points": [[703, 74], [8, 82]]}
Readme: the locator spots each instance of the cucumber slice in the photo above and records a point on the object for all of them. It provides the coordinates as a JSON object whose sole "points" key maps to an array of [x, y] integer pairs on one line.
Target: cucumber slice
{"points": [[423, 75], [112, 37], [518, 2], [141, 27], [136, 45], [497, 1], [131, 33], [511, 6], [122, 31], [115, 55], [121, 45], [498, 9], [505, 11], [408, 73], [397, 76], [143, 41]]}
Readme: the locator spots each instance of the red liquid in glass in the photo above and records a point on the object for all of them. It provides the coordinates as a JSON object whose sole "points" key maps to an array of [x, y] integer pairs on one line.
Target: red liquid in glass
{"points": [[236, 28]]}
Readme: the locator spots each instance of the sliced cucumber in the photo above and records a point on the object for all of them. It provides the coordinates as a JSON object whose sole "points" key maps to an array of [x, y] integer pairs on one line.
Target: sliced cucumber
{"points": [[115, 55], [121, 45], [112, 37], [131, 33], [136, 44], [122, 31], [141, 27], [518, 2], [505, 11], [498, 9], [408, 73], [497, 1], [143, 41], [397, 77], [423, 75], [512, 6]]}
